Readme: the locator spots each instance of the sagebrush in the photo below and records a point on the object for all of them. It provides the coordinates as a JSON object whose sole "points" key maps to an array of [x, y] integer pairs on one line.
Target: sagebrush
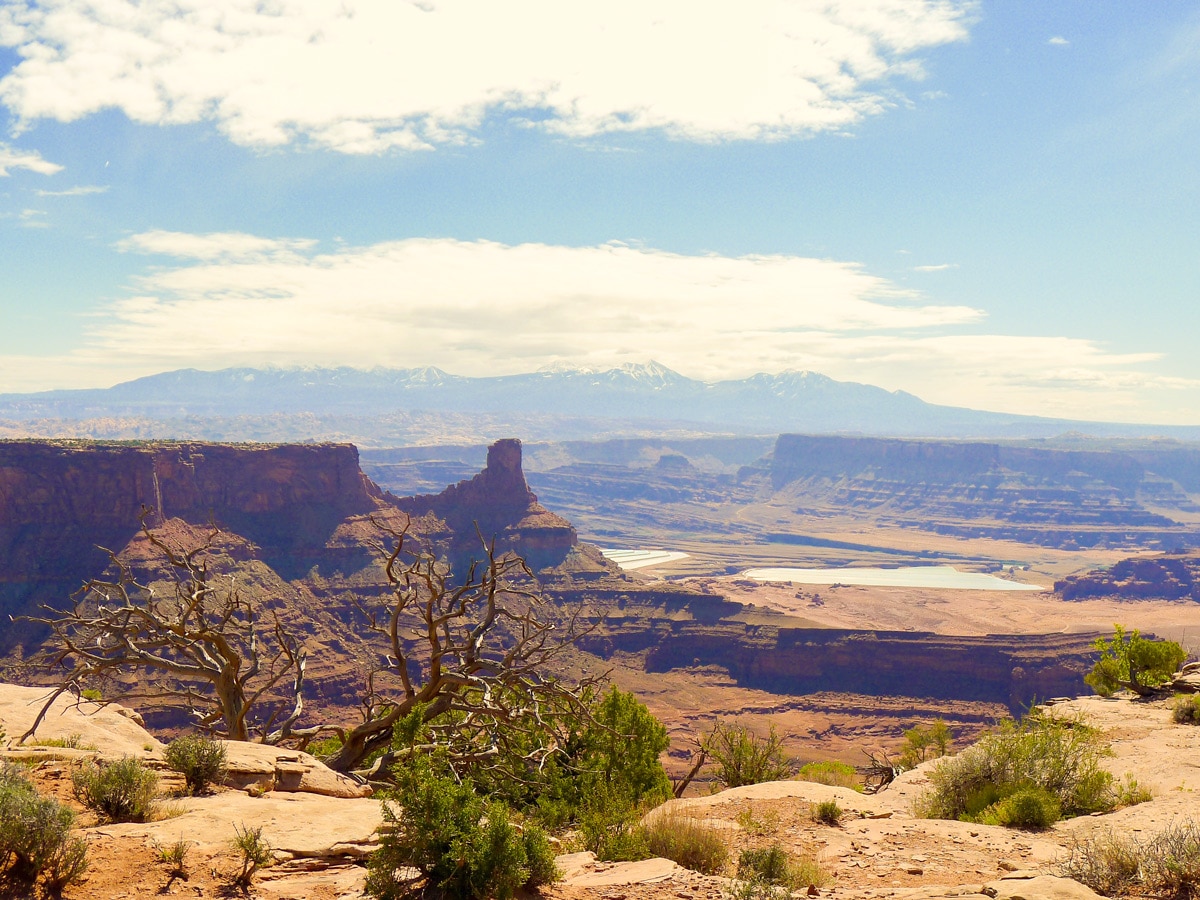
{"points": [[200, 760], [1186, 709], [35, 835], [1018, 773], [119, 791], [1166, 864]]}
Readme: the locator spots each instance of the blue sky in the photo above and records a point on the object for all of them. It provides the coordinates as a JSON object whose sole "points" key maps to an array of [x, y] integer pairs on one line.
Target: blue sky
{"points": [[987, 204]]}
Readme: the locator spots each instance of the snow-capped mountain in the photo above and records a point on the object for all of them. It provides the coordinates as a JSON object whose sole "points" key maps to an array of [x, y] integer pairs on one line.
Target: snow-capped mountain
{"points": [[793, 400]]}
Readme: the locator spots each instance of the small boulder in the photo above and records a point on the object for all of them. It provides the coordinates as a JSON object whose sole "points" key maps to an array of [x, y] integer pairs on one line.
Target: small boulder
{"points": [[262, 768]]}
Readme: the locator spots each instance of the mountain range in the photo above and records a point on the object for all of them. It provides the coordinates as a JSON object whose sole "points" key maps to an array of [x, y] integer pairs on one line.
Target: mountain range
{"points": [[632, 398]]}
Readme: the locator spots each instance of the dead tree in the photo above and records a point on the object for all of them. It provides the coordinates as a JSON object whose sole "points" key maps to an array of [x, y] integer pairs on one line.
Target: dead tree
{"points": [[472, 657], [203, 645]]}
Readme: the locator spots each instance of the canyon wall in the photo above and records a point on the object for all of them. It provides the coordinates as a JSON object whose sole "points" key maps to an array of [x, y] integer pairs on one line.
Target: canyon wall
{"points": [[60, 502], [1010, 669], [1052, 497]]}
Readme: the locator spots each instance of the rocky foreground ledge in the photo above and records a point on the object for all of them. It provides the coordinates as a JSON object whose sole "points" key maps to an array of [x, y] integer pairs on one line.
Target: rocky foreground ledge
{"points": [[321, 825]]}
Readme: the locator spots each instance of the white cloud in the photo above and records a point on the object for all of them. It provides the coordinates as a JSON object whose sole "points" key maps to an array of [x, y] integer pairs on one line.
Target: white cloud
{"points": [[225, 246], [12, 158], [33, 218], [477, 308], [78, 191], [1058, 41], [941, 267], [363, 76]]}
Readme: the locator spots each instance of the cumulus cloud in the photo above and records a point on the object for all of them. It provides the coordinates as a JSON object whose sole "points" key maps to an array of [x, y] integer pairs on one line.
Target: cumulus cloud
{"points": [[480, 308], [11, 158], [477, 307], [363, 76], [1058, 41]]}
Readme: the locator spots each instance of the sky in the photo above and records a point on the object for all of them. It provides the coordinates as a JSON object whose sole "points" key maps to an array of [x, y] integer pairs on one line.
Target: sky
{"points": [[986, 204]]}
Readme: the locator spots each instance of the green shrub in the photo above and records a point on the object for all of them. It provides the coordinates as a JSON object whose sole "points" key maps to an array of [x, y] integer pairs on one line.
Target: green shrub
{"points": [[1058, 757], [35, 835], [827, 812], [461, 846], [200, 760], [70, 742], [120, 791], [253, 851], [770, 864], [611, 761], [1130, 793], [742, 757], [1029, 807], [1131, 661], [609, 827], [687, 841], [1186, 709], [832, 773], [325, 748], [773, 867], [539, 857], [174, 857]]}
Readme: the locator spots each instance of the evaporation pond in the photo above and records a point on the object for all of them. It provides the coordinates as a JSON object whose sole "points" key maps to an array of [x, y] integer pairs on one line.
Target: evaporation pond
{"points": [[903, 576], [639, 559]]}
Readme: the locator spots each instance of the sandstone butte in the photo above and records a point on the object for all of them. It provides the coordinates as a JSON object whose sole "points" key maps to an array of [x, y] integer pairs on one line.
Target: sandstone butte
{"points": [[320, 833]]}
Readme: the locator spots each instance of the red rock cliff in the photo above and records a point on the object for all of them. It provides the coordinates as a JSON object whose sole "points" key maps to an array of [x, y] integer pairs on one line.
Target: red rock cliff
{"points": [[60, 501]]}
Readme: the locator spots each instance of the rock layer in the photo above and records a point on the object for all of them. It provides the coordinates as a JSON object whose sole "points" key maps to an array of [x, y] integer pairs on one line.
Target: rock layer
{"points": [[1170, 577], [1063, 498]]}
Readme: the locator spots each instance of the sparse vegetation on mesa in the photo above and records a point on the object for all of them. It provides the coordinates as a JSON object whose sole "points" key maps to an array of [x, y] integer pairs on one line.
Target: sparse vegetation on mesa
{"points": [[199, 759], [1186, 709], [253, 853], [832, 773], [772, 872], [1166, 864], [689, 842], [827, 812], [35, 836], [122, 790], [742, 757], [1024, 774]]}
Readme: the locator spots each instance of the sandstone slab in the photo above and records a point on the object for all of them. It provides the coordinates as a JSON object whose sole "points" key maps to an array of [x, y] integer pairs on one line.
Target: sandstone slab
{"points": [[295, 825], [110, 728], [584, 870]]}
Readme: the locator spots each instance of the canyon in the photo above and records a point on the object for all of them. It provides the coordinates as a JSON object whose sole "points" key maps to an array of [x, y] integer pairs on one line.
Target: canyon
{"points": [[304, 522]]}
